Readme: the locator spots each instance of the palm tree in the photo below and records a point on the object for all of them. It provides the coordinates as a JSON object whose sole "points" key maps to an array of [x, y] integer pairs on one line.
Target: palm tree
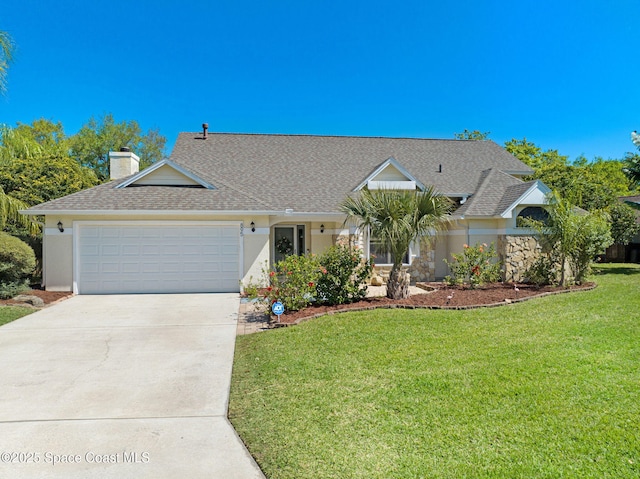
{"points": [[397, 218], [10, 206], [9, 211], [6, 55]]}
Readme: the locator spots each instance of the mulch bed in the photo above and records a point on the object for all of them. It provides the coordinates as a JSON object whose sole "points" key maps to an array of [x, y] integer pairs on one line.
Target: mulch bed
{"points": [[498, 294], [48, 297]]}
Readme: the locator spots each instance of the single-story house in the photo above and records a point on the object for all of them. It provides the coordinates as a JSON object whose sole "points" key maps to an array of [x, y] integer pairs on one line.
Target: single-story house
{"points": [[222, 205]]}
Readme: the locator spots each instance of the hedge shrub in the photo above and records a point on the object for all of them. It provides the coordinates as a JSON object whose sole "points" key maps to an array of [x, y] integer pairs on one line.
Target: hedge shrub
{"points": [[344, 275], [17, 261]]}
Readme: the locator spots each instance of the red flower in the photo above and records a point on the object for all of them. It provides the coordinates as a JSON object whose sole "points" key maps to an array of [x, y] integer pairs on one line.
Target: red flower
{"points": [[289, 272], [324, 271], [476, 270], [311, 285], [272, 273], [269, 288]]}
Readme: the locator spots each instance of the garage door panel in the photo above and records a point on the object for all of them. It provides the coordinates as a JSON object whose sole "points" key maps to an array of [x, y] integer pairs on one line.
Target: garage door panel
{"points": [[90, 268], [130, 250], [152, 259], [110, 250], [89, 250], [153, 232], [130, 268], [171, 249], [110, 268], [131, 233], [150, 249], [110, 232], [170, 267]]}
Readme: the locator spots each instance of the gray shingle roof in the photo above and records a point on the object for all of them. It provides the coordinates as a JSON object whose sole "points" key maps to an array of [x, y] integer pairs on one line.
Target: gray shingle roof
{"points": [[253, 172], [496, 192]]}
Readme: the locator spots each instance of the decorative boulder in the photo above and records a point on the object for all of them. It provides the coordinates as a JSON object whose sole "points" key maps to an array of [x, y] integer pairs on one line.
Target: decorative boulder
{"points": [[29, 299]]}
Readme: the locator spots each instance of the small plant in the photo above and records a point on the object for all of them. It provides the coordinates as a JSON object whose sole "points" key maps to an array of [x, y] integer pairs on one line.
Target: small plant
{"points": [[475, 266], [251, 289], [343, 275]]}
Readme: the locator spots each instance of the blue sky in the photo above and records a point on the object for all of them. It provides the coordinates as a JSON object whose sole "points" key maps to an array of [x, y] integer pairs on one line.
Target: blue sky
{"points": [[564, 74]]}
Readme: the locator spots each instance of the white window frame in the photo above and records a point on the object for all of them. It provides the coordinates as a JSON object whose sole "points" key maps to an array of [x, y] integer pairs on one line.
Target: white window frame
{"points": [[410, 253]]}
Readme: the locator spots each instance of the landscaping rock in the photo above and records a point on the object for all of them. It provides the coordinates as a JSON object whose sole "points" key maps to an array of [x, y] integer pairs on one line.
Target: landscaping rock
{"points": [[28, 299]]}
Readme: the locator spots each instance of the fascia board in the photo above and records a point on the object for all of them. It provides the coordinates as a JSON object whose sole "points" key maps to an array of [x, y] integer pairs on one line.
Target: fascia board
{"points": [[178, 213]]}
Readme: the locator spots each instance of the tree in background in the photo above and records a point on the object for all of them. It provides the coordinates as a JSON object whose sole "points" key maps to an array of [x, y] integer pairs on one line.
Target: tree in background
{"points": [[6, 56], [472, 135], [532, 155], [35, 165], [632, 161], [589, 185], [397, 218], [592, 186], [624, 225], [92, 144]]}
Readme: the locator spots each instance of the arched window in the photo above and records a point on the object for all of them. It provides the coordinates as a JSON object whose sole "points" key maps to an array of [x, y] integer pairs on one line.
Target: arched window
{"points": [[536, 213]]}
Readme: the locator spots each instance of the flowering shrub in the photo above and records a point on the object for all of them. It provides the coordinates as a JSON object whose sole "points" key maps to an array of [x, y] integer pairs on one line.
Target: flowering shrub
{"points": [[343, 275], [476, 265], [292, 281]]}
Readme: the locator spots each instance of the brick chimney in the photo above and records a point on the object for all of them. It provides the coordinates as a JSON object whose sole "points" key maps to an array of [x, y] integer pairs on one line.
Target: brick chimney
{"points": [[123, 163]]}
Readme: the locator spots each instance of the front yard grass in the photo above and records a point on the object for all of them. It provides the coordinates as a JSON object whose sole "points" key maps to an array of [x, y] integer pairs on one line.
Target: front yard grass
{"points": [[11, 313], [548, 388]]}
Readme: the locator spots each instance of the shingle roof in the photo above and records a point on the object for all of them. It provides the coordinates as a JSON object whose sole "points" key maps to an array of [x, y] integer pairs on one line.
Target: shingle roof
{"points": [[254, 172], [496, 192]]}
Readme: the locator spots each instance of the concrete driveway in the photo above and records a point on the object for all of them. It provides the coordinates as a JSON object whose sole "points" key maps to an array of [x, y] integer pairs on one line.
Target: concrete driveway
{"points": [[120, 387]]}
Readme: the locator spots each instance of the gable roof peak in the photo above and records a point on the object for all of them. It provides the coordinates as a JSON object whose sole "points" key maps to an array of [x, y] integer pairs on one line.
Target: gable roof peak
{"points": [[179, 170], [390, 164]]}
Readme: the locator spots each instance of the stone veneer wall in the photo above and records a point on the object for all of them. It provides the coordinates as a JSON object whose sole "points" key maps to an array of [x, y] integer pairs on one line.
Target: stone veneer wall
{"points": [[517, 254], [423, 267]]}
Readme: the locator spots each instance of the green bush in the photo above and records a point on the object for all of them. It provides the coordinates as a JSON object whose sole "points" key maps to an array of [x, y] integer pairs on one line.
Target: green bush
{"points": [[476, 265], [343, 276], [543, 271], [17, 261], [593, 237], [293, 282]]}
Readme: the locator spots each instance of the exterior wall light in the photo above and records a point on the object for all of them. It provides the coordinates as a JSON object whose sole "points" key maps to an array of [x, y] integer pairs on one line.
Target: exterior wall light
{"points": [[253, 227], [60, 227], [322, 228]]}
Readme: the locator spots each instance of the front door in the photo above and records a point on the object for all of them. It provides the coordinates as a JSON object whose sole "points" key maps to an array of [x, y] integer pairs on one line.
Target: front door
{"points": [[288, 240]]}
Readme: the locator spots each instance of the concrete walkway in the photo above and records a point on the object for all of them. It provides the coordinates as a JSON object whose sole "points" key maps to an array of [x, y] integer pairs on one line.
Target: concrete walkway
{"points": [[129, 386]]}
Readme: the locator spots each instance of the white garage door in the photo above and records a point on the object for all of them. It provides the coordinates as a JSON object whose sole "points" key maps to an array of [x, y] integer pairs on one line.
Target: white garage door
{"points": [[163, 258]]}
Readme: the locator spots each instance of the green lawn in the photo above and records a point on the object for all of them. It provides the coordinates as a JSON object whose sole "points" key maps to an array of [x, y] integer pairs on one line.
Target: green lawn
{"points": [[11, 313], [549, 388]]}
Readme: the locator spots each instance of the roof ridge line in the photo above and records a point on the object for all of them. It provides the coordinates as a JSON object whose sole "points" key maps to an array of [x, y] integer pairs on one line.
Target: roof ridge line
{"points": [[317, 135]]}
